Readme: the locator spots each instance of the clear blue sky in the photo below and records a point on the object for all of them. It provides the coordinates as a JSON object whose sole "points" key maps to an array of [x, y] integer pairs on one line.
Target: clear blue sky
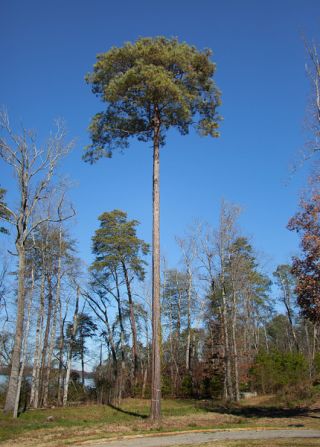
{"points": [[47, 47]]}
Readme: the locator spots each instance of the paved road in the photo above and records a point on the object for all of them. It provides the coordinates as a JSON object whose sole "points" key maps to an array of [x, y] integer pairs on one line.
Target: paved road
{"points": [[198, 438]]}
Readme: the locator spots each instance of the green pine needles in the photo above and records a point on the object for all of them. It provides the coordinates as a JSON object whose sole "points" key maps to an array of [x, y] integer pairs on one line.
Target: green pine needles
{"points": [[149, 75]]}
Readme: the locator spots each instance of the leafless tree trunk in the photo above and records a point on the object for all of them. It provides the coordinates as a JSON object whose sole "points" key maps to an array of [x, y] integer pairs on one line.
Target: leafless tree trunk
{"points": [[225, 237], [188, 344], [35, 384], [132, 323], [13, 387], [122, 336], [50, 350], [313, 71], [99, 308], [146, 366], [28, 163], [46, 338], [266, 338], [235, 349], [286, 302], [188, 248], [24, 348], [70, 349], [54, 325], [61, 351]]}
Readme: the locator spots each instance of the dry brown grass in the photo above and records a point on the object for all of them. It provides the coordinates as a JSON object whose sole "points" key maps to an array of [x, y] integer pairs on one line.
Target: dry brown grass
{"points": [[73, 425]]}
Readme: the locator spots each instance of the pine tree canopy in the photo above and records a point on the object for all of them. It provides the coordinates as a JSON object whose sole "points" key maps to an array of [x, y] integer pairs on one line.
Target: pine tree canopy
{"points": [[152, 75], [116, 242]]}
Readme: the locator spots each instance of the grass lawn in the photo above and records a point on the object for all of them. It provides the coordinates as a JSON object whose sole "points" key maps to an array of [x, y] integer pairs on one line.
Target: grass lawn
{"points": [[74, 424]]}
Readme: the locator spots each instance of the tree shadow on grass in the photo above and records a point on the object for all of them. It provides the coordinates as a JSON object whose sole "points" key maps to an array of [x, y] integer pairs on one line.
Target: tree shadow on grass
{"points": [[264, 411], [131, 413]]}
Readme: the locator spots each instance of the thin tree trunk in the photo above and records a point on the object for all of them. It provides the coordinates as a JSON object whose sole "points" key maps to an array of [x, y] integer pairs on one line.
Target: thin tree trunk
{"points": [[122, 337], [226, 345], [156, 325], [314, 340], [112, 346], [266, 338], [101, 313], [132, 323], [70, 350], [82, 361], [235, 351], [51, 347], [286, 301], [188, 346], [171, 349], [54, 325], [34, 397], [61, 349], [46, 338], [309, 348], [67, 378], [145, 375]]}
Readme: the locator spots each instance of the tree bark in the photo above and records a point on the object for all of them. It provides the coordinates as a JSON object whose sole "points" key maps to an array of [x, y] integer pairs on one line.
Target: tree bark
{"points": [[229, 388], [70, 351], [122, 336], [132, 323], [24, 349], [46, 338], [188, 345], [156, 329], [286, 302], [235, 349], [15, 361], [34, 396], [61, 354], [145, 375], [51, 346]]}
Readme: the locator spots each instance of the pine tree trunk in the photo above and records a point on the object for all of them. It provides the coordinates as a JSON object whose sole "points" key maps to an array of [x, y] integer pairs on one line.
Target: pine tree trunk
{"points": [[15, 360], [156, 329]]}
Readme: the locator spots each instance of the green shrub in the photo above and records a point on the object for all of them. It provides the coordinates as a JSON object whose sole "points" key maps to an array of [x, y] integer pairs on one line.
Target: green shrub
{"points": [[274, 371], [186, 389], [212, 387]]}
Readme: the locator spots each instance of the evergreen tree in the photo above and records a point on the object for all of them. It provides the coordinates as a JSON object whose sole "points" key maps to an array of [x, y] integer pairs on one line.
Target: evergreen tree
{"points": [[119, 260], [148, 87]]}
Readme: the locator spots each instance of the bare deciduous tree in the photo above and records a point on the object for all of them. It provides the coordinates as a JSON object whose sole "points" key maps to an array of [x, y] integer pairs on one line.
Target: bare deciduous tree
{"points": [[33, 167]]}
